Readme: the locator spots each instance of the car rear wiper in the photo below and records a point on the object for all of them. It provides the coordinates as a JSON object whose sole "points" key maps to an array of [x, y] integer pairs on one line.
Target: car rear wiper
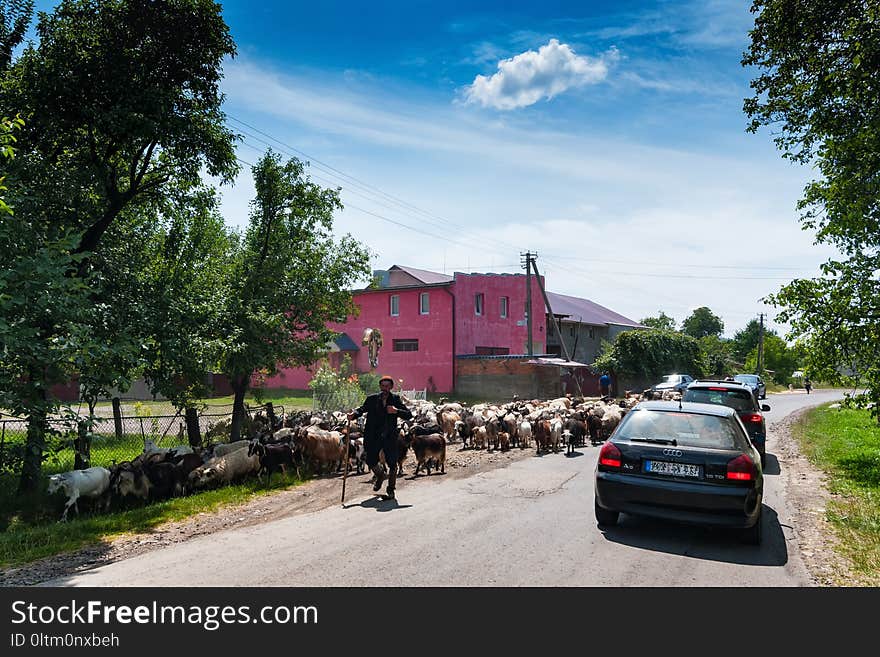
{"points": [[659, 441]]}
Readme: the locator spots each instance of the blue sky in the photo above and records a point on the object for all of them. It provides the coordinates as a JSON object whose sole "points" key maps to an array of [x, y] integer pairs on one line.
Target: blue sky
{"points": [[606, 136]]}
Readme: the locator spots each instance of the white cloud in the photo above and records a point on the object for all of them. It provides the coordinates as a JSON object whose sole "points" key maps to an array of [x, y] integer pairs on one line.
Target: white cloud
{"points": [[525, 79]]}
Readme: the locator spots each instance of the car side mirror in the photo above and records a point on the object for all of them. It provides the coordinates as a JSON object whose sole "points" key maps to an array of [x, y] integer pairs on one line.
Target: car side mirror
{"points": [[765, 407]]}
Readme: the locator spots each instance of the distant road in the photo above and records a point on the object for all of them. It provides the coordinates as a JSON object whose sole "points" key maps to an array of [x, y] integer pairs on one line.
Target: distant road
{"points": [[528, 524]]}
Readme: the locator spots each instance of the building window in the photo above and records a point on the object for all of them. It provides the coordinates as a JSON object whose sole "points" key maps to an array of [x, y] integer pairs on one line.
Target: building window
{"points": [[395, 305], [571, 329], [424, 304], [478, 304], [504, 303], [491, 351], [592, 335], [405, 345]]}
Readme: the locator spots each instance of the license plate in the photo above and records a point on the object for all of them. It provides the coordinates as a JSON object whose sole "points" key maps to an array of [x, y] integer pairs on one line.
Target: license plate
{"points": [[673, 469]]}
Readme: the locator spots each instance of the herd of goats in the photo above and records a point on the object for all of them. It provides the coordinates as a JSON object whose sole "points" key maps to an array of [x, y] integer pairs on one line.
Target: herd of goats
{"points": [[316, 442]]}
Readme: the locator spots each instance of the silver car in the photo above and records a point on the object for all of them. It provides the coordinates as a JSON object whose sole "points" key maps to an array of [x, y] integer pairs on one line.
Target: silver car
{"points": [[755, 382], [676, 382]]}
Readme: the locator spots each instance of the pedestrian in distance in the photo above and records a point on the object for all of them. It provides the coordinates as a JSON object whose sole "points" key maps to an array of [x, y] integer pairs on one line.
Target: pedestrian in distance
{"points": [[380, 433], [808, 385], [605, 384]]}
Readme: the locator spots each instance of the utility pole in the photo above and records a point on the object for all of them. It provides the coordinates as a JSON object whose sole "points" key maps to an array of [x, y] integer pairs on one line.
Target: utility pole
{"points": [[528, 255], [556, 326], [761, 347]]}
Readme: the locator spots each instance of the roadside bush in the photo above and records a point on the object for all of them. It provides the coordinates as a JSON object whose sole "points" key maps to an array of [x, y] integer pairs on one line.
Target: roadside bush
{"points": [[336, 390], [650, 354]]}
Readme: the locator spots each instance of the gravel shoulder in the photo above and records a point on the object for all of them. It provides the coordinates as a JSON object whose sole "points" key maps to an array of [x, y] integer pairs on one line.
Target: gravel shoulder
{"points": [[808, 496]]}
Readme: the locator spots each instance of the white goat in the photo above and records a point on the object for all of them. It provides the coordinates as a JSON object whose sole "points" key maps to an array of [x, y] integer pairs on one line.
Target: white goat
{"points": [[91, 482]]}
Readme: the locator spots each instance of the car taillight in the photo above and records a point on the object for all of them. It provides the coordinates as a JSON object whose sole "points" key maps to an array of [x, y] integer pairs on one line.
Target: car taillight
{"points": [[610, 456], [742, 468], [753, 417]]}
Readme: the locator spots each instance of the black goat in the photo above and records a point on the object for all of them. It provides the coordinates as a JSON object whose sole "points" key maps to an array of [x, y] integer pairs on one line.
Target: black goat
{"points": [[273, 456]]}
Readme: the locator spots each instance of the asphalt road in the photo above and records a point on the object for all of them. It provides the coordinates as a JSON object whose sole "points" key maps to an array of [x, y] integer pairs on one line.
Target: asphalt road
{"points": [[528, 524]]}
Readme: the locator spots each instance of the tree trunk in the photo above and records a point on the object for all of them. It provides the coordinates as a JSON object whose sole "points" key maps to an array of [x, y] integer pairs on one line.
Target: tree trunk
{"points": [[117, 417], [31, 467], [192, 428], [239, 387]]}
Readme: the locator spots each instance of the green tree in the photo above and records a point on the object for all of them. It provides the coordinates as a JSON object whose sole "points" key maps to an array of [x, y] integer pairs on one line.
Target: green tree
{"points": [[778, 358], [715, 355], [702, 322], [660, 321], [650, 354], [15, 16], [817, 63], [186, 275], [288, 278], [121, 100], [747, 339]]}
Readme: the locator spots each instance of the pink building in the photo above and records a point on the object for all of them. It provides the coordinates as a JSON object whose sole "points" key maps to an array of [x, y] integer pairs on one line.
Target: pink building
{"points": [[426, 319]]}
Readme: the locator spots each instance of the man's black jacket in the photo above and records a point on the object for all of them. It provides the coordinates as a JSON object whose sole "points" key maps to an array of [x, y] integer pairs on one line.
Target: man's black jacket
{"points": [[380, 423]]}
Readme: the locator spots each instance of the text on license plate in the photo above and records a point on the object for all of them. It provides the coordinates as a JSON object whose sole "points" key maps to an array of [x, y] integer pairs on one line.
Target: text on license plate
{"points": [[674, 469]]}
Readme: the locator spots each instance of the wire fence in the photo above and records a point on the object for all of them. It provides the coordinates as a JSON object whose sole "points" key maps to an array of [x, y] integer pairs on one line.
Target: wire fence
{"points": [[110, 443], [343, 400], [338, 400]]}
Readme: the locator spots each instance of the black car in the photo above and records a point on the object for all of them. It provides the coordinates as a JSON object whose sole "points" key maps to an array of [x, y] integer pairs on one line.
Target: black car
{"points": [[740, 398], [684, 462], [676, 382], [755, 382]]}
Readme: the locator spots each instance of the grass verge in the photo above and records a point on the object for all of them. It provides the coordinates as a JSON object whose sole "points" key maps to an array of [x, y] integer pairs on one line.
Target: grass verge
{"points": [[24, 540], [845, 444]]}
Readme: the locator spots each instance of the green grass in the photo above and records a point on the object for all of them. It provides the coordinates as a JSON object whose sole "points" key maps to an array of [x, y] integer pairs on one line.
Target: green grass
{"points": [[846, 445], [28, 539]]}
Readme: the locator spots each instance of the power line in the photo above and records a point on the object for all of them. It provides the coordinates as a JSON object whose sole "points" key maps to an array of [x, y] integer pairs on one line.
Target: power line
{"points": [[344, 175], [408, 206], [347, 188], [676, 264], [444, 238], [356, 181]]}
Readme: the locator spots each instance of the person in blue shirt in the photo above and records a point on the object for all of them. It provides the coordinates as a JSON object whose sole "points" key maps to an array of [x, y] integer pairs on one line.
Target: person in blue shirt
{"points": [[605, 384]]}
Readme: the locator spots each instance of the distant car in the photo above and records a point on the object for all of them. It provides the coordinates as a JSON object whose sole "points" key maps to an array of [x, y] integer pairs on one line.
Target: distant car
{"points": [[677, 382], [684, 462], [739, 397], [755, 382]]}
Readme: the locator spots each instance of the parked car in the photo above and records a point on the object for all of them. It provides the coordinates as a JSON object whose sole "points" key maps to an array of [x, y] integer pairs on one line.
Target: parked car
{"points": [[755, 382], [739, 397], [684, 462], [677, 382]]}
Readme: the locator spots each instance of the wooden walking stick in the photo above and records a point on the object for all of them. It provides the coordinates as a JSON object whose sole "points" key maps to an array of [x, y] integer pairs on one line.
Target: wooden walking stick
{"points": [[347, 459]]}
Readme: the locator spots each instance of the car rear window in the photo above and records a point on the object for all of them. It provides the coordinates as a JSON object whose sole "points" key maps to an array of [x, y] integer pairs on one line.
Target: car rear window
{"points": [[739, 400], [685, 428]]}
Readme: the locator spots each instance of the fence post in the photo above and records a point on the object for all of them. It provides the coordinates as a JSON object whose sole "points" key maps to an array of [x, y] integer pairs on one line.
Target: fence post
{"points": [[192, 428], [270, 411], [117, 417], [81, 447]]}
